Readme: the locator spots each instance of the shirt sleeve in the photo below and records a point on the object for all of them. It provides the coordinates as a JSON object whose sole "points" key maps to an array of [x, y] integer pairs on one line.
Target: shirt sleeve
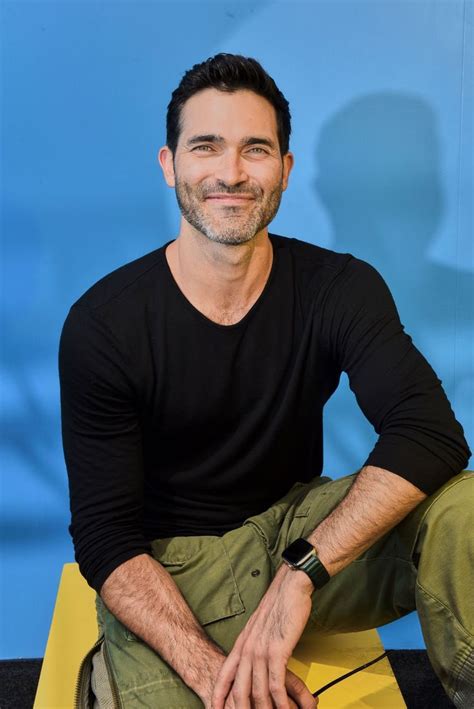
{"points": [[395, 387], [102, 447]]}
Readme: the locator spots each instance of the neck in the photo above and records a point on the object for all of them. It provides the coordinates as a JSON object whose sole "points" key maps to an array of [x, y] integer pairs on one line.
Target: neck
{"points": [[220, 276]]}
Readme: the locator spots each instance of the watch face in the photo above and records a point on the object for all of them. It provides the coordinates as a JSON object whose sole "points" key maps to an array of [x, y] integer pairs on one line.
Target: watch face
{"points": [[297, 551]]}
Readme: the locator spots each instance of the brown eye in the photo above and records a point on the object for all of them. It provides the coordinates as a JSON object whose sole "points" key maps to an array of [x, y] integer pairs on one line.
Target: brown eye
{"points": [[258, 151]]}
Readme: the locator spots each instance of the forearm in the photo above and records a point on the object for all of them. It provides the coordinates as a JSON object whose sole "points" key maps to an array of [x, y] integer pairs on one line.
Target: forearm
{"points": [[376, 502], [144, 597]]}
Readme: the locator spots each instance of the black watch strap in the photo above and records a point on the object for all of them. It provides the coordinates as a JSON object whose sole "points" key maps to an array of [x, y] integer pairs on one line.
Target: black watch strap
{"points": [[316, 571]]}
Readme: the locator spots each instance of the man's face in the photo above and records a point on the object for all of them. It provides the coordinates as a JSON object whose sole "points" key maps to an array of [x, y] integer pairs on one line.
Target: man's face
{"points": [[228, 172]]}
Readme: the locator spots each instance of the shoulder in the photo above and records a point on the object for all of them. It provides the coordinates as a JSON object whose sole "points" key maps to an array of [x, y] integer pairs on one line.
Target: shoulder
{"points": [[325, 273], [336, 283], [308, 256], [112, 314], [129, 282], [359, 285]]}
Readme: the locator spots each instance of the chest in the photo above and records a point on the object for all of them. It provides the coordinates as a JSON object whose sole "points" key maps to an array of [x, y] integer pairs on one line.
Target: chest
{"points": [[225, 316], [204, 370]]}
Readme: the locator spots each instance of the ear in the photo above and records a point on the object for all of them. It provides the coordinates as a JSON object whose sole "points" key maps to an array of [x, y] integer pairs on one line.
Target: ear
{"points": [[288, 162], [165, 158]]}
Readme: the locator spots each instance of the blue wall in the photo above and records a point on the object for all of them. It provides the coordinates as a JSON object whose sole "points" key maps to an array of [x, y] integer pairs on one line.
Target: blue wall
{"points": [[382, 107]]}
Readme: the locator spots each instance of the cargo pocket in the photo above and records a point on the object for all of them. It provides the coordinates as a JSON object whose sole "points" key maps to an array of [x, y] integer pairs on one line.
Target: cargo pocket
{"points": [[202, 570]]}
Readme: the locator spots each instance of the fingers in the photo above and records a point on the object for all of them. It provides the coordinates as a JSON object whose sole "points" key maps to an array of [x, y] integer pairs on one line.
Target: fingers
{"points": [[229, 703], [260, 683], [276, 682], [223, 697], [225, 681], [254, 673], [299, 692], [242, 687], [260, 695]]}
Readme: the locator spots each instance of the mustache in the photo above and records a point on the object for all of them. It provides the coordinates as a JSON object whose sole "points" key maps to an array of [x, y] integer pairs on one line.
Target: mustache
{"points": [[222, 188]]}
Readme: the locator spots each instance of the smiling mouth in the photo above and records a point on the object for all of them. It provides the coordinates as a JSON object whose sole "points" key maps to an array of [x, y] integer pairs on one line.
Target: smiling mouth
{"points": [[229, 198]]}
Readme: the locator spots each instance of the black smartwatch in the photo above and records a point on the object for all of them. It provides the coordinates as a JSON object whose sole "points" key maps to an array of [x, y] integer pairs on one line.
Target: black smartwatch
{"points": [[302, 555]]}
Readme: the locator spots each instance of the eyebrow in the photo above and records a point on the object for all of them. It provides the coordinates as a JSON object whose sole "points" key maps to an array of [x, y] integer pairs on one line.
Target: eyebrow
{"points": [[247, 140]]}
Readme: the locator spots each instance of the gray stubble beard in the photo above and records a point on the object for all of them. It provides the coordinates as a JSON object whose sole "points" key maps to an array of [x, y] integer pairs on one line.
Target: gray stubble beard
{"points": [[189, 201]]}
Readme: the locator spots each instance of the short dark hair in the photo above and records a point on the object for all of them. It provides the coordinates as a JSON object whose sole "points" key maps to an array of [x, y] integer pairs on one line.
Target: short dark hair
{"points": [[228, 72]]}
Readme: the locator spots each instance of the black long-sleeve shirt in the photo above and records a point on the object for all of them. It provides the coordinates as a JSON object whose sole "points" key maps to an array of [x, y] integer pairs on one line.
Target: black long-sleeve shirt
{"points": [[176, 425]]}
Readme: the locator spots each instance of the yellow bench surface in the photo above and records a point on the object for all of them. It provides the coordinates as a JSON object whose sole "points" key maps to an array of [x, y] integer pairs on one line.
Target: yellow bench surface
{"points": [[317, 660]]}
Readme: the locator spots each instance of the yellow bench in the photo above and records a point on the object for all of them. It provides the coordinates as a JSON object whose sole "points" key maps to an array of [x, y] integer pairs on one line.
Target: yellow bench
{"points": [[74, 631]]}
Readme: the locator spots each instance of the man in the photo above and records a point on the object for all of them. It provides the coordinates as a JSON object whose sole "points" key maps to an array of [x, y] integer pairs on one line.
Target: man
{"points": [[193, 382]]}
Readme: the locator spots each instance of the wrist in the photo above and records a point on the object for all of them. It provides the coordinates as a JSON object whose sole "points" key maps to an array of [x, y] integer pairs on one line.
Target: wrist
{"points": [[297, 578], [303, 581], [204, 686], [301, 555]]}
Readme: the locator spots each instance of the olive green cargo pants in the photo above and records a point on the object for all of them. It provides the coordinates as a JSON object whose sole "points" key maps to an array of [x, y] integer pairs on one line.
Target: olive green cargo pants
{"points": [[425, 563]]}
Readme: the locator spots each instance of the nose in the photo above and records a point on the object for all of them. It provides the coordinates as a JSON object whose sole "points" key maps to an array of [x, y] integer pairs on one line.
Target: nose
{"points": [[231, 168]]}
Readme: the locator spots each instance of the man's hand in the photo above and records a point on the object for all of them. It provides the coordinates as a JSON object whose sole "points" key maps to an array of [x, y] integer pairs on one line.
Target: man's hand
{"points": [[255, 673]]}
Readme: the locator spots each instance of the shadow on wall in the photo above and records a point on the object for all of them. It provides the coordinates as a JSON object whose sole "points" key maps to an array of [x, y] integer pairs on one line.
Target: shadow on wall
{"points": [[378, 162]]}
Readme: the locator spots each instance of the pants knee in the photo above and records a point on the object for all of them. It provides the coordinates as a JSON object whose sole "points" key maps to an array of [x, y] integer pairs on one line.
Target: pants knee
{"points": [[449, 520], [454, 502]]}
